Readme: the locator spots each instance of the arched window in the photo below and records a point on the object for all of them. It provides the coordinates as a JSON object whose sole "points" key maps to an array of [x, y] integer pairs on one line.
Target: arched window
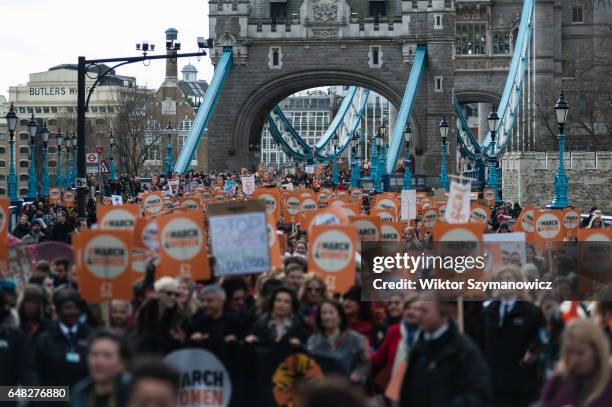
{"points": [[24, 164], [24, 150], [23, 191], [24, 177]]}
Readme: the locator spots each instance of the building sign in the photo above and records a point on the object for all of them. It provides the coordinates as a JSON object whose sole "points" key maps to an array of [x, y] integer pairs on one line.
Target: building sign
{"points": [[54, 91]]}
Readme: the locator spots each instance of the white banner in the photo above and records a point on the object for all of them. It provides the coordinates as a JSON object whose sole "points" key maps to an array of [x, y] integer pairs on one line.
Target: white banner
{"points": [[117, 199], [458, 206], [248, 184], [408, 208]]}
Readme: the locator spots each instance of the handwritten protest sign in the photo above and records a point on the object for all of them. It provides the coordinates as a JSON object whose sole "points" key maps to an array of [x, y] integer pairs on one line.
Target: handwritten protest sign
{"points": [[229, 187], [248, 184], [458, 207], [332, 253], [489, 195], [103, 264], [239, 237], [116, 199], [408, 204]]}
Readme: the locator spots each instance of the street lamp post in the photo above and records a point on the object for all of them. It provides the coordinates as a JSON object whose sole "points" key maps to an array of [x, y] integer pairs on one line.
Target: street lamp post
{"points": [[169, 166], [67, 180], [74, 158], [493, 122], [33, 182], [355, 175], [45, 171], [382, 168], [111, 160], [443, 136], [378, 174], [335, 142], [407, 175], [59, 137], [374, 160], [11, 120], [561, 200]]}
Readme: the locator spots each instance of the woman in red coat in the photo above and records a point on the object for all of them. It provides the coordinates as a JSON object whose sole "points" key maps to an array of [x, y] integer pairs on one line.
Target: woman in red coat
{"points": [[396, 345]]}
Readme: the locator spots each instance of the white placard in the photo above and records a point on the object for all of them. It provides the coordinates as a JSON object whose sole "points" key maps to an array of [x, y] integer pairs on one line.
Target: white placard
{"points": [[458, 206], [408, 207], [248, 184], [117, 199], [239, 237], [309, 169]]}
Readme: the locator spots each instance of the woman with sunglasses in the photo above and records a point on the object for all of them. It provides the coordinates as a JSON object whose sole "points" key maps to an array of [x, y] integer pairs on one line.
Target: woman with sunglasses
{"points": [[154, 319], [314, 290]]}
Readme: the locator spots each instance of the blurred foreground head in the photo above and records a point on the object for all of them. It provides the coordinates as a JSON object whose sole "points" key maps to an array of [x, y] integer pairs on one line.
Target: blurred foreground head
{"points": [[333, 392]]}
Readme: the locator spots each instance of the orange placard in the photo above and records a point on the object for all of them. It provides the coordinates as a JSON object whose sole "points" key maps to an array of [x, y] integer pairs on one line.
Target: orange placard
{"points": [[385, 214], [332, 254], [117, 216], [272, 199], [571, 222], [323, 197], [367, 227], [479, 213], [351, 209], [292, 207], [388, 203], [190, 203], [391, 231], [429, 218], [441, 206], [458, 232], [220, 196], [183, 246], [153, 203], [307, 204], [103, 264], [427, 202], [55, 196], [327, 216], [69, 198], [548, 226], [525, 221], [145, 235], [339, 201], [356, 195], [489, 195], [274, 244]]}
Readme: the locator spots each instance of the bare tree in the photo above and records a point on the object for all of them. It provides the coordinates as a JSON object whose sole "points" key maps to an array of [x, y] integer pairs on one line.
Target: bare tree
{"points": [[587, 88], [136, 129]]}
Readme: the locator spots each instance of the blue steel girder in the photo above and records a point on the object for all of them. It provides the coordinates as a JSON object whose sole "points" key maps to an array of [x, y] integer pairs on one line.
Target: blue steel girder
{"points": [[510, 100], [205, 112], [405, 110]]}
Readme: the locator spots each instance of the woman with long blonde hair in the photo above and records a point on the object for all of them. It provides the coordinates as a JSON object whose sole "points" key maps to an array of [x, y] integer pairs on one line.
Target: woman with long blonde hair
{"points": [[583, 374]]}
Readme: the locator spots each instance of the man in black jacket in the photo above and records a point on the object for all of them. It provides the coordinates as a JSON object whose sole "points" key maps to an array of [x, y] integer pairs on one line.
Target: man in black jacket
{"points": [[445, 368], [511, 339], [62, 229], [12, 352], [62, 350]]}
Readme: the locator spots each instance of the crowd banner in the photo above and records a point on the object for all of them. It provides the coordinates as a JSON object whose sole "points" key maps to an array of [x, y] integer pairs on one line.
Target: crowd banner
{"points": [[69, 198], [182, 243], [55, 196], [204, 380], [272, 199], [103, 264], [152, 203], [4, 226], [479, 213], [248, 184], [173, 187], [489, 195], [239, 237], [116, 199], [548, 226], [408, 204], [571, 222], [367, 227], [458, 206], [332, 254], [117, 217]]}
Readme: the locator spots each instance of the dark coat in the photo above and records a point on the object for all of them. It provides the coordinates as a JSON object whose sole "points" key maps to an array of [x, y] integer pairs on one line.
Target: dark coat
{"points": [[52, 364], [561, 392], [12, 356], [21, 230], [504, 347], [80, 393], [61, 232], [446, 372]]}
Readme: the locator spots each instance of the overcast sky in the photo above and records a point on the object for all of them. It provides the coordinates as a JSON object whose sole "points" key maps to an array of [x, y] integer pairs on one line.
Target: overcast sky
{"points": [[38, 34]]}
